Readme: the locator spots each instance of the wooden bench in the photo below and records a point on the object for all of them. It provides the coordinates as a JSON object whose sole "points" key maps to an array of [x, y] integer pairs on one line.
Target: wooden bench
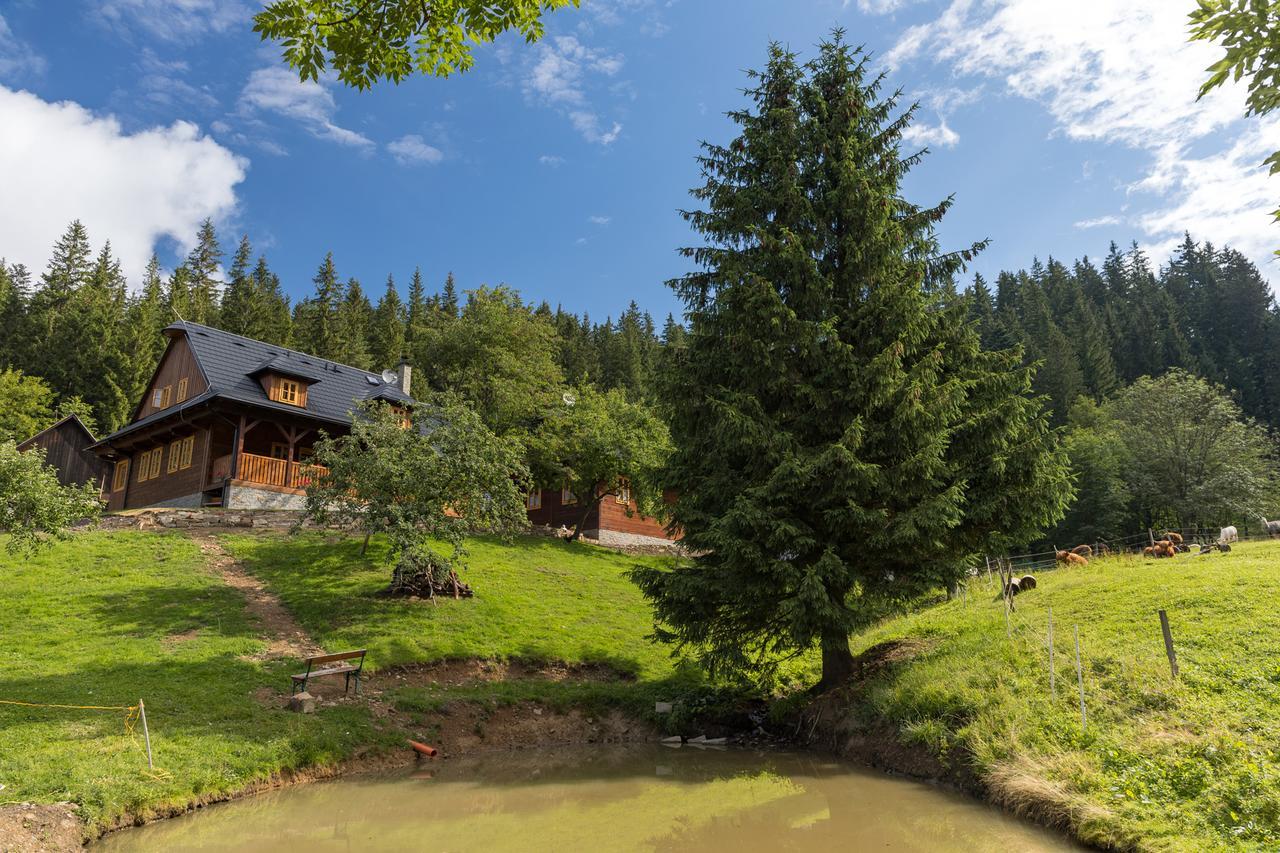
{"points": [[346, 669]]}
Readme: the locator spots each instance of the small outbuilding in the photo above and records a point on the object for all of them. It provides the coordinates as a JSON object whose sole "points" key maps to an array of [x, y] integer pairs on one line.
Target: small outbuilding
{"points": [[66, 448]]}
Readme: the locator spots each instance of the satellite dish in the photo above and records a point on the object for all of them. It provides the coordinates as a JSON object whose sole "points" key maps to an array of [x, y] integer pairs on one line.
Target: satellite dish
{"points": [[568, 398], [390, 377]]}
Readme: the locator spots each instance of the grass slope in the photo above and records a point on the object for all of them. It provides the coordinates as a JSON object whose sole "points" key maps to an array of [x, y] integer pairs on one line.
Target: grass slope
{"points": [[107, 618], [535, 598], [1192, 764]]}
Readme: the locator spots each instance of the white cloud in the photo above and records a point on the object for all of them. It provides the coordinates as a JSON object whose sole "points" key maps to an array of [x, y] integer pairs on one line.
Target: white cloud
{"points": [[278, 90], [412, 150], [17, 58], [559, 77], [1123, 73], [599, 220], [161, 83], [919, 134], [174, 20], [588, 124], [1099, 222], [552, 160], [877, 7], [132, 189]]}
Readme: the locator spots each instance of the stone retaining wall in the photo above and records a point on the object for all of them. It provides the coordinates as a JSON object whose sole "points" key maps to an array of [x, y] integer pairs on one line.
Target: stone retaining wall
{"points": [[206, 517]]}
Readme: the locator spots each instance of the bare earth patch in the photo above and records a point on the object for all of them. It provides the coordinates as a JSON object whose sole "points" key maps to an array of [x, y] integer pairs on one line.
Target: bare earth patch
{"points": [[34, 828], [285, 638]]}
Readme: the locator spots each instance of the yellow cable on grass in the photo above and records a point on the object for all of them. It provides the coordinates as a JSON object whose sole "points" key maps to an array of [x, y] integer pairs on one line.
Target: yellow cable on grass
{"points": [[73, 707], [131, 717]]}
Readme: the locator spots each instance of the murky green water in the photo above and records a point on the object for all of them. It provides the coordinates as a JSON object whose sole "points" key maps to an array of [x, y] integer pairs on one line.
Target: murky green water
{"points": [[601, 799]]}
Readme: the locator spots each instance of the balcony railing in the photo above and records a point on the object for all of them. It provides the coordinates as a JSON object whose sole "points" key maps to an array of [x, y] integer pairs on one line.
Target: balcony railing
{"points": [[269, 471]]}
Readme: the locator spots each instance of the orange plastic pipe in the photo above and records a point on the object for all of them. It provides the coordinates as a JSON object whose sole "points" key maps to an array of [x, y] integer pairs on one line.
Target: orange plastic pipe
{"points": [[423, 749]]}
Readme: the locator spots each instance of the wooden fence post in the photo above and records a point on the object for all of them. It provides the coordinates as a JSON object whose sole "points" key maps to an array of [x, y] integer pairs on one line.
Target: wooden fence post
{"points": [[1084, 719], [1168, 643]]}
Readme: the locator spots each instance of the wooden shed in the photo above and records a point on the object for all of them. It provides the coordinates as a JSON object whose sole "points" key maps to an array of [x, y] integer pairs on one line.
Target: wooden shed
{"points": [[66, 448]]}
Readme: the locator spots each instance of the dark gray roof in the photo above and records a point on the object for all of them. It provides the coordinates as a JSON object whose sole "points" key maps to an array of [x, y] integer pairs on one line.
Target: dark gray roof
{"points": [[231, 362]]}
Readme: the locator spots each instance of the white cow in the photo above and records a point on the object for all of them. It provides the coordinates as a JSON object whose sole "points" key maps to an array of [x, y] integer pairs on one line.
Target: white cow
{"points": [[1228, 534]]}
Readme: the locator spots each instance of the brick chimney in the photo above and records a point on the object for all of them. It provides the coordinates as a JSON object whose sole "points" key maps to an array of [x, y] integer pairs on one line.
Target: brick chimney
{"points": [[404, 374]]}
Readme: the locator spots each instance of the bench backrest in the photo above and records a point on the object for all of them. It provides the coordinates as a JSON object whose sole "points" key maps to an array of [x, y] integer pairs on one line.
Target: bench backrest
{"points": [[319, 659]]}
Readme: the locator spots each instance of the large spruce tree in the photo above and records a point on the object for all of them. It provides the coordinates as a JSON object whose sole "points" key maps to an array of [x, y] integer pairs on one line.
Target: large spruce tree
{"points": [[839, 431]]}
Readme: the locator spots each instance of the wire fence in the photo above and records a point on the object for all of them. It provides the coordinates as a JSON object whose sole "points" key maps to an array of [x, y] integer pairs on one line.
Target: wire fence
{"points": [[1197, 537]]}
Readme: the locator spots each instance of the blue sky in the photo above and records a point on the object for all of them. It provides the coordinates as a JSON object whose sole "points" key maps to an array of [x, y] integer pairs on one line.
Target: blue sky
{"points": [[558, 168]]}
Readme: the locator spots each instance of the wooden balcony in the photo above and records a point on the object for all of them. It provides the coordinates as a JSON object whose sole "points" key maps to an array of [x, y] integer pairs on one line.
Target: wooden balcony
{"points": [[268, 471]]}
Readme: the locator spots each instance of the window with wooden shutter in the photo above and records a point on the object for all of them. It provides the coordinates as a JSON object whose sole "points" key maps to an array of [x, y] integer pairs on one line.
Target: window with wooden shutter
{"points": [[120, 476], [624, 491], [175, 455], [144, 466], [534, 501], [187, 444], [168, 394], [155, 463], [567, 497], [182, 389], [157, 396]]}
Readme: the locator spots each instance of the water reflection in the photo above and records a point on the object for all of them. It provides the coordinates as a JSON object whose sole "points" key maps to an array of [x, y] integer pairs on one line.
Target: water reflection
{"points": [[602, 799]]}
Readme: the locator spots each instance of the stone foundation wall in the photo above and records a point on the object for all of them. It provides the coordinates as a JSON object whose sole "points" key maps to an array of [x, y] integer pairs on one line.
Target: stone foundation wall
{"points": [[191, 501], [632, 541], [247, 497], [184, 518]]}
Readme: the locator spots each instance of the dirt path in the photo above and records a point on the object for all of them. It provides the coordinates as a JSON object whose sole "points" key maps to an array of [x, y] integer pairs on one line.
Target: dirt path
{"points": [[284, 636]]}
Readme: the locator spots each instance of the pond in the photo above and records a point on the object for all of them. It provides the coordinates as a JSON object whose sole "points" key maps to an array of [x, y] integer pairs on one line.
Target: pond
{"points": [[646, 797]]}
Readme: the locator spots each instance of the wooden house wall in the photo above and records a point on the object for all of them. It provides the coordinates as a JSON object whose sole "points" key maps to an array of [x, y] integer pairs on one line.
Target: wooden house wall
{"points": [[65, 450], [165, 486], [613, 516], [553, 513], [177, 364]]}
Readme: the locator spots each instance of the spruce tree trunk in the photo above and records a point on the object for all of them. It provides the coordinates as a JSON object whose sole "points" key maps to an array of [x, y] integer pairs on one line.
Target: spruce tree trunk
{"points": [[837, 661]]}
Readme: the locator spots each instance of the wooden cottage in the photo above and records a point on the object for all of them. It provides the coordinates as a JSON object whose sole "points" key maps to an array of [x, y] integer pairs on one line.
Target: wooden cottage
{"points": [[66, 445], [229, 421]]}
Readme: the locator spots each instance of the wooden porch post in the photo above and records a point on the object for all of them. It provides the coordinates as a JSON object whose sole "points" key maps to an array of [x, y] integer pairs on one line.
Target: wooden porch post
{"points": [[239, 449]]}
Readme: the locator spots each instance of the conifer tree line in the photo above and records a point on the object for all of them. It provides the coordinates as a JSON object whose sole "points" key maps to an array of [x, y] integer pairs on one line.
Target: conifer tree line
{"points": [[80, 329], [1166, 383], [1098, 328]]}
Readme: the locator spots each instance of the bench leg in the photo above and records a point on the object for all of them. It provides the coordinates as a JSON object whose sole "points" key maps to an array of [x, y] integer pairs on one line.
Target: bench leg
{"points": [[357, 684], [347, 685]]}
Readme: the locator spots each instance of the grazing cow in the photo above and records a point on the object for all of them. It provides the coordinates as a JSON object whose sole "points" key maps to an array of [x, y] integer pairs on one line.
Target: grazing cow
{"points": [[1228, 534], [1071, 559], [1175, 538], [1273, 527], [1083, 551]]}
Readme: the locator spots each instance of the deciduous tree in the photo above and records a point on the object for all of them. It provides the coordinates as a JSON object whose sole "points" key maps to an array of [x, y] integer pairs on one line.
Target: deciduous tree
{"points": [[424, 484], [34, 506], [598, 445], [370, 40]]}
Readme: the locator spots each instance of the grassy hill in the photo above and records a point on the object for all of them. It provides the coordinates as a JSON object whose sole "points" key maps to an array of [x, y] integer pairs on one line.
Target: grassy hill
{"points": [[107, 618], [535, 598], [1192, 764]]}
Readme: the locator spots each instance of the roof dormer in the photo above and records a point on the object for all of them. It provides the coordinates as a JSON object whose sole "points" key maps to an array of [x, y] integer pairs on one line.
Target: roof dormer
{"points": [[284, 381]]}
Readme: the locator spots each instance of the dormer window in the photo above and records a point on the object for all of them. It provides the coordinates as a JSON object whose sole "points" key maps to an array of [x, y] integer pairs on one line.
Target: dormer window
{"points": [[282, 389]]}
